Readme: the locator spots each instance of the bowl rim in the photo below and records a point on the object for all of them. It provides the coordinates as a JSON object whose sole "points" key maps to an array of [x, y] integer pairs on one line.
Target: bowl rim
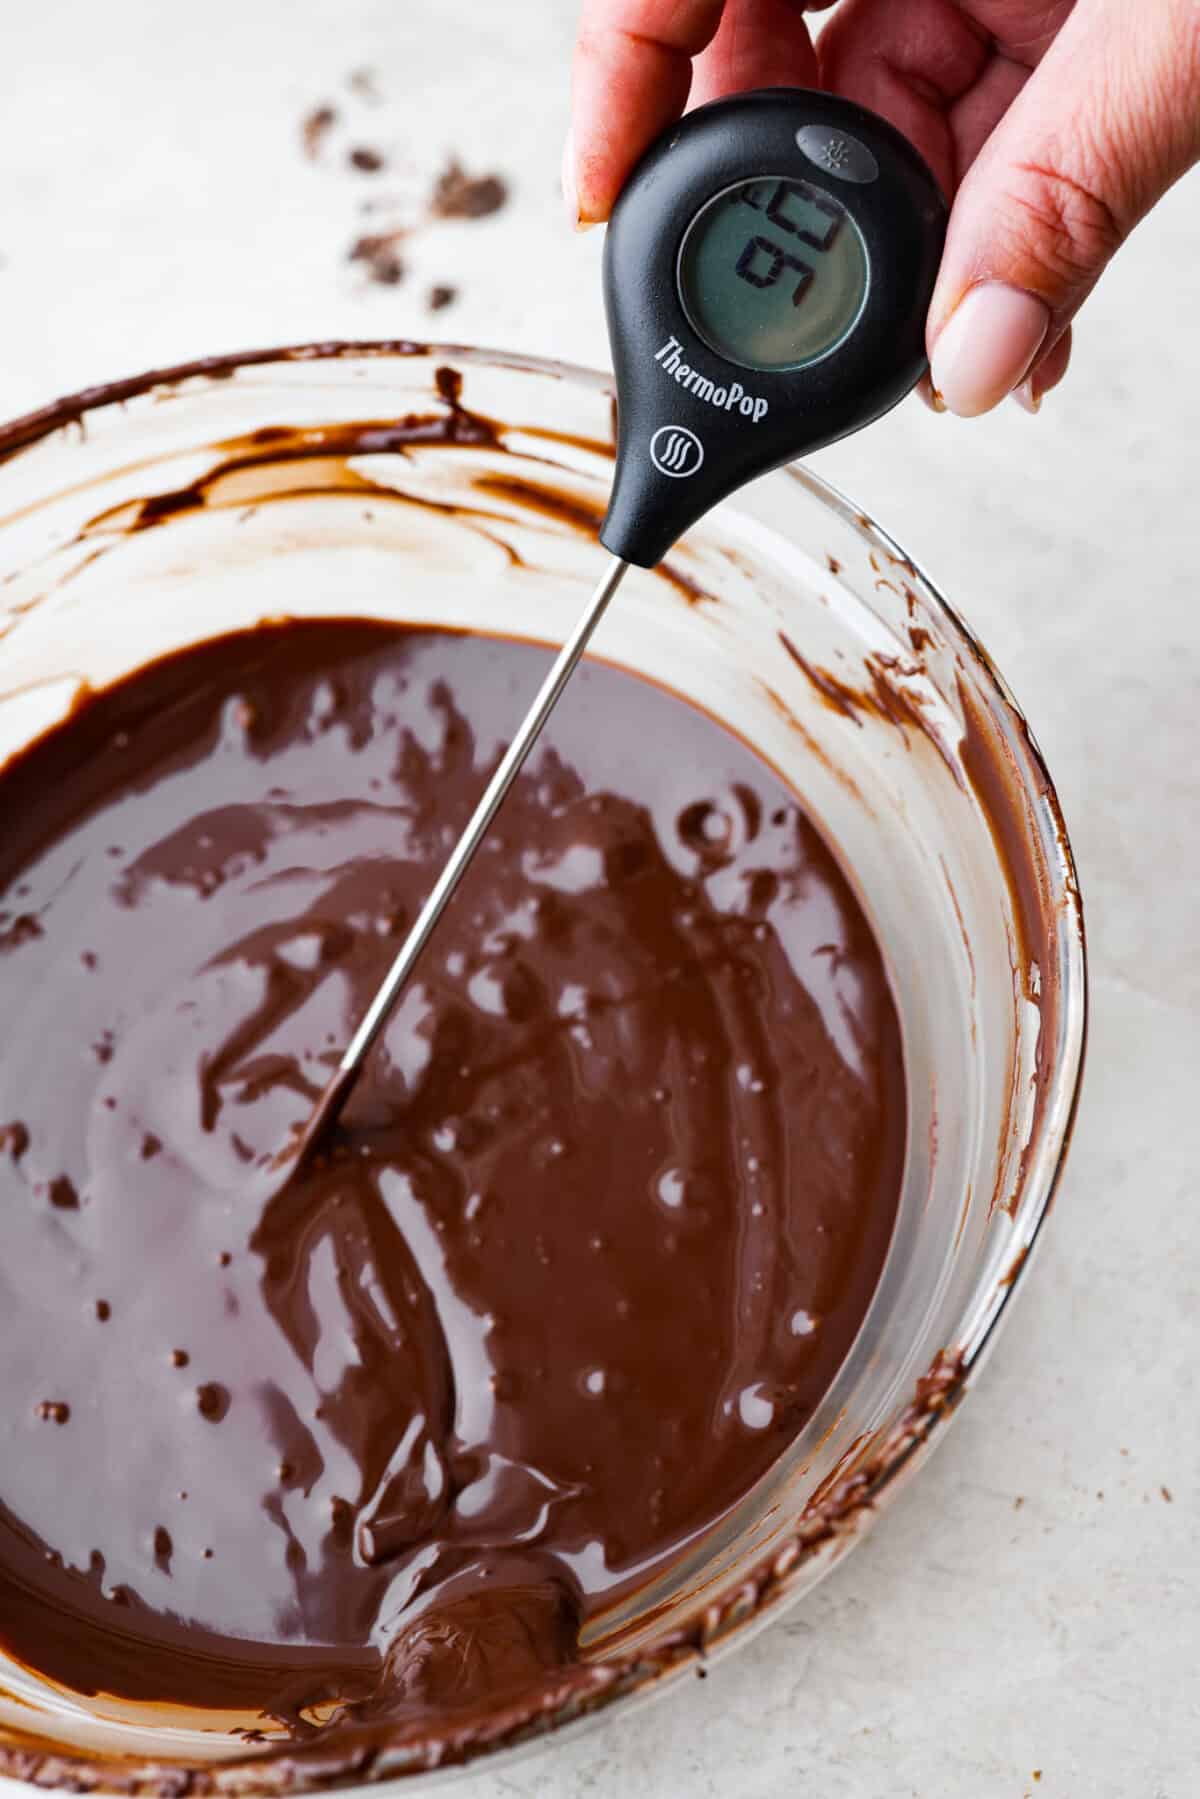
{"points": [[832, 1520]]}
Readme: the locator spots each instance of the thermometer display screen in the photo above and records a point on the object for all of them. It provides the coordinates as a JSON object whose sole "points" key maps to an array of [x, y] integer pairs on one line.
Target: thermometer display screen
{"points": [[773, 273]]}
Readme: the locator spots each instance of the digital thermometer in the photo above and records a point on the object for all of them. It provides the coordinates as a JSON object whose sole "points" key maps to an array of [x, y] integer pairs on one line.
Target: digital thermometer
{"points": [[767, 274]]}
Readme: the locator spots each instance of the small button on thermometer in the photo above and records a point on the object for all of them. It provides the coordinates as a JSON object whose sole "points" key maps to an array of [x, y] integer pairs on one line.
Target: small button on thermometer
{"points": [[767, 274]]}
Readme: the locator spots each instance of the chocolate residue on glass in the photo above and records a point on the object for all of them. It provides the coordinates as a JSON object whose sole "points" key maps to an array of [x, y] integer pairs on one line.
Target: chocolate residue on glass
{"points": [[73, 408], [998, 789], [886, 698], [321, 457], [986, 767], [833, 690], [995, 784], [604, 1216]]}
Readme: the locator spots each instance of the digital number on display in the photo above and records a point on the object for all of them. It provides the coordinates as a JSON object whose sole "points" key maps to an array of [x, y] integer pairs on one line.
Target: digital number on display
{"points": [[773, 273], [763, 260]]}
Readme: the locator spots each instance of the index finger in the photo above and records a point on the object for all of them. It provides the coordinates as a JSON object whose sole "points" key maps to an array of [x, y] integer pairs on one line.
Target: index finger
{"points": [[630, 80]]}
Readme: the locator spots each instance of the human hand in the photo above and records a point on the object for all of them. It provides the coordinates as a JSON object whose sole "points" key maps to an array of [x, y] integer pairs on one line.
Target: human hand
{"points": [[1054, 126]]}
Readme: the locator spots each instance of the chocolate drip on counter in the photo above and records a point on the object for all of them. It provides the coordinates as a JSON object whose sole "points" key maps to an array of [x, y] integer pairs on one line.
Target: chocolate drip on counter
{"points": [[600, 1224]]}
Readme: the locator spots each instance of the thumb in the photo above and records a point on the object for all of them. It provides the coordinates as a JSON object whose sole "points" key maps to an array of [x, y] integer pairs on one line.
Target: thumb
{"points": [[1104, 125]]}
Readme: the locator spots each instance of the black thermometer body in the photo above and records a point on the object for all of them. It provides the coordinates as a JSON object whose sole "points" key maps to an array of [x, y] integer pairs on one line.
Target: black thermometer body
{"points": [[767, 273]]}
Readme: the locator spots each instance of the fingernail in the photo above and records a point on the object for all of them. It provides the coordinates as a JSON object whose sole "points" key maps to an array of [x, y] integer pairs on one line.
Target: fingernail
{"points": [[986, 346], [930, 395], [569, 188], [1027, 396]]}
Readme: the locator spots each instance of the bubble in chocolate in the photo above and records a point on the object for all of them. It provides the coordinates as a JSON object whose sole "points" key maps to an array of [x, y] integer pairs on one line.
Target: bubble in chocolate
{"points": [[717, 830], [755, 1409], [706, 831], [671, 1188]]}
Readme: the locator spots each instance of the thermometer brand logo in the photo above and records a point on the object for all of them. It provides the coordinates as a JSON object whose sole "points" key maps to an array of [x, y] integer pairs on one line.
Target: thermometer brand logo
{"points": [[726, 398], [674, 450]]}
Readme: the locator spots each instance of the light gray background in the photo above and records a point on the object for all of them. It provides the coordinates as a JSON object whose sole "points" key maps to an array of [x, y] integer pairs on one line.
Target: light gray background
{"points": [[1032, 1601]]}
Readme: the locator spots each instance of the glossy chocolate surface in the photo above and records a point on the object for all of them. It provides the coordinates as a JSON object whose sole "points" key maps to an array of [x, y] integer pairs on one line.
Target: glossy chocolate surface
{"points": [[599, 1226]]}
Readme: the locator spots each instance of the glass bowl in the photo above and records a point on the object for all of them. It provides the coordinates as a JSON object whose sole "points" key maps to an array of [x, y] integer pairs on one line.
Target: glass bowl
{"points": [[458, 487]]}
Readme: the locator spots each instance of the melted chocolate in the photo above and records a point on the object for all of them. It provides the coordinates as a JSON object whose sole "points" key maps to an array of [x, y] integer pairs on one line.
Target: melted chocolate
{"points": [[601, 1221]]}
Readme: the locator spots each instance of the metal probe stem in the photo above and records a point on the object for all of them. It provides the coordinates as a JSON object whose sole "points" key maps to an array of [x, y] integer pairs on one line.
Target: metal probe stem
{"points": [[337, 1092]]}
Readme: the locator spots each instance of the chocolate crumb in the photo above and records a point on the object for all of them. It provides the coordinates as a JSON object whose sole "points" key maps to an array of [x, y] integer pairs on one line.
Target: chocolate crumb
{"points": [[103, 1310], [377, 252], [15, 1139], [314, 129], [1018, 1502], [54, 1411], [457, 195], [1167, 1495], [441, 297], [366, 160], [363, 83]]}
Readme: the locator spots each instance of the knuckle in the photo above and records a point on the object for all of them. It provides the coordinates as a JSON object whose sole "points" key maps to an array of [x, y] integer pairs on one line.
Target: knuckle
{"points": [[1072, 230]]}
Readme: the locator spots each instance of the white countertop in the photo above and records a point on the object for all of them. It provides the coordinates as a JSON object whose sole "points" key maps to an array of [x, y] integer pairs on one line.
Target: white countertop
{"points": [[1032, 1602]]}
